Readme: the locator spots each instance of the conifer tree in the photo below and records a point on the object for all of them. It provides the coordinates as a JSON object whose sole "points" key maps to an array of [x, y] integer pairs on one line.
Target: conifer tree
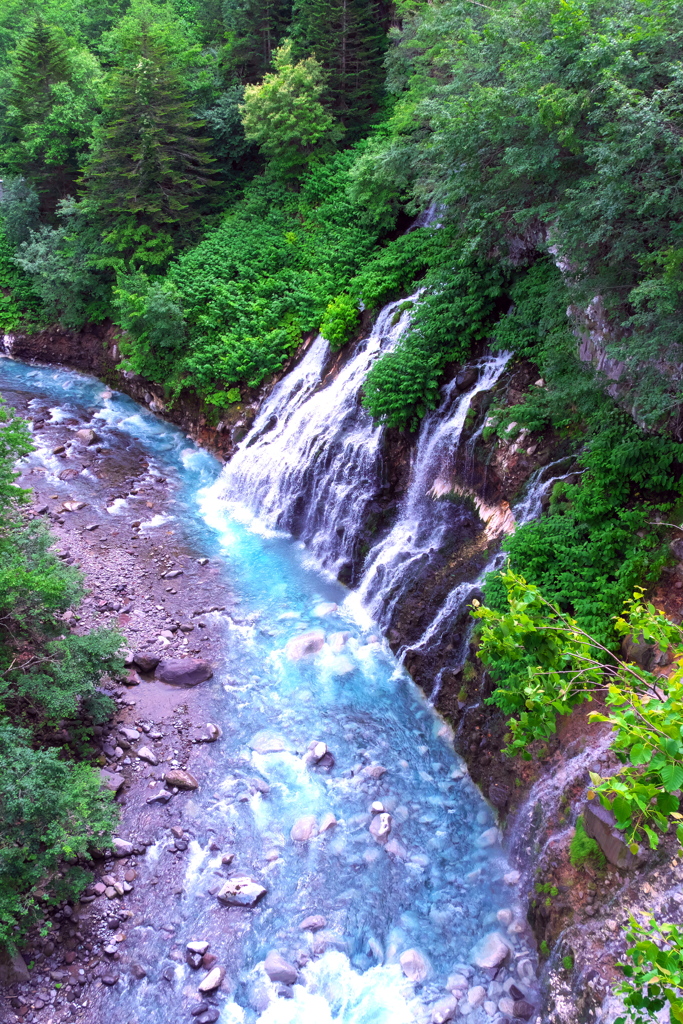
{"points": [[255, 30], [348, 37], [50, 105], [149, 168]]}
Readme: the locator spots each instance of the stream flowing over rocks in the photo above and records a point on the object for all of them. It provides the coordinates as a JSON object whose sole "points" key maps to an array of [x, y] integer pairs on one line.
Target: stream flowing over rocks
{"points": [[299, 840]]}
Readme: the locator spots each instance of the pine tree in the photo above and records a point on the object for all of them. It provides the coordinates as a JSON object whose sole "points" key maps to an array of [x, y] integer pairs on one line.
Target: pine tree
{"points": [[41, 60], [348, 37], [149, 168], [255, 30]]}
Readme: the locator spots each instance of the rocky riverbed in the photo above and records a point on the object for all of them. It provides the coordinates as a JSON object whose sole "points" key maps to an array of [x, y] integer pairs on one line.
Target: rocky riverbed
{"points": [[144, 577]]}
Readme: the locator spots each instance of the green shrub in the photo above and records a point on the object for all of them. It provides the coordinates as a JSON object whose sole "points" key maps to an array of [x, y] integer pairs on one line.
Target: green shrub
{"points": [[340, 320], [584, 848]]}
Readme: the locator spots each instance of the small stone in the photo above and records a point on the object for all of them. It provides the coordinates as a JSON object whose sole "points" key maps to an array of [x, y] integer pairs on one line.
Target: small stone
{"points": [[59, 449], [504, 917], [111, 780], [380, 826], [476, 995], [488, 838], [511, 877], [129, 734], [414, 965], [241, 892], [200, 1008], [130, 875], [279, 969], [212, 981], [396, 849], [109, 979], [313, 923], [86, 436], [209, 1016], [522, 1008], [526, 970], [328, 820], [457, 983], [138, 971], [145, 754], [197, 947], [304, 829], [182, 779]]}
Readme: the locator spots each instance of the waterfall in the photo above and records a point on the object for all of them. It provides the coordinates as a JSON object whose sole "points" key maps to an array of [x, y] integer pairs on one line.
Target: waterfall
{"points": [[311, 463], [423, 522]]}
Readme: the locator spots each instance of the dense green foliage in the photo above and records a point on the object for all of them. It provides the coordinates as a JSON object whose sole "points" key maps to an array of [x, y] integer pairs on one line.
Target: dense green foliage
{"points": [[546, 664], [52, 809]]}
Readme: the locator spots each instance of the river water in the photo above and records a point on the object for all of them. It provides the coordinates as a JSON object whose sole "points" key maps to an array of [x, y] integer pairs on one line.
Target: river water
{"points": [[436, 886]]}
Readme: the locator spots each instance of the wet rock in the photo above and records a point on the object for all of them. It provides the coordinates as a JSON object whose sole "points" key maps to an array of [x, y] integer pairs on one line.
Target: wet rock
{"points": [[279, 969], [208, 960], [212, 981], [490, 952], [197, 947], [193, 960], [313, 923], [327, 821], [488, 838], [396, 849], [121, 847], [380, 826], [200, 1008], [111, 780], [327, 761], [414, 965], [138, 971], [476, 995], [145, 662], [129, 734], [499, 795], [284, 991], [304, 829], [457, 983], [145, 754], [69, 474], [86, 436], [209, 734], [599, 823], [444, 1010], [209, 1016], [110, 978], [181, 778], [162, 797], [241, 892], [302, 646], [337, 641], [526, 970], [267, 743], [183, 671], [511, 877]]}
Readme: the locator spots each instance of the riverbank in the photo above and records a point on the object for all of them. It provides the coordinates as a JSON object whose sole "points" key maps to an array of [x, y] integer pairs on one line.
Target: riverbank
{"points": [[145, 577]]}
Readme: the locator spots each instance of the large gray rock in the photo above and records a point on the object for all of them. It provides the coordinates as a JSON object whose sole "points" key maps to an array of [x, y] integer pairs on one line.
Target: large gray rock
{"points": [[121, 847], [599, 823], [212, 981], [491, 952], [111, 780], [145, 754], [279, 969], [86, 436], [241, 892], [445, 1009], [145, 661], [183, 671]]}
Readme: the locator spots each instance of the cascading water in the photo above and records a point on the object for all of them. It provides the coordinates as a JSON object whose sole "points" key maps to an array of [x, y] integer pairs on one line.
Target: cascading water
{"points": [[433, 885], [423, 522], [310, 464]]}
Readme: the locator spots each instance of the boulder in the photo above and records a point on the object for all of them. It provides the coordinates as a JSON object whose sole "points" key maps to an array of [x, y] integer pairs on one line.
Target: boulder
{"points": [[279, 969], [87, 436], [145, 662], [313, 923], [522, 1008], [415, 965], [445, 1009], [490, 952], [121, 847], [181, 778], [212, 981], [197, 947], [499, 795], [183, 671], [488, 838], [241, 892], [599, 823], [328, 820], [476, 995], [13, 969], [111, 780], [129, 734], [302, 646], [304, 829]]}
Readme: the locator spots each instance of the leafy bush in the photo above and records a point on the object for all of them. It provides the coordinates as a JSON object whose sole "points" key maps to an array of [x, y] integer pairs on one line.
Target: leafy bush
{"points": [[340, 320], [654, 976]]}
